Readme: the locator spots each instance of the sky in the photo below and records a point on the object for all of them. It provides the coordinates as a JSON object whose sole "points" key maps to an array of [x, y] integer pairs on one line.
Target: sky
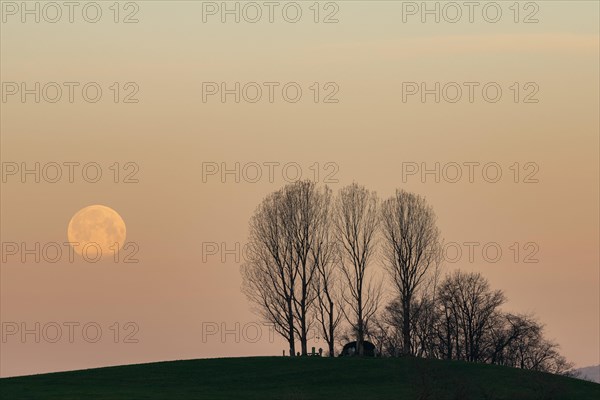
{"points": [[508, 157]]}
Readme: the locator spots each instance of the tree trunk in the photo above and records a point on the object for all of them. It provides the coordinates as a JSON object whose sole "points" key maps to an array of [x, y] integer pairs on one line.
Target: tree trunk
{"points": [[406, 327], [360, 327], [291, 338], [331, 341], [303, 335]]}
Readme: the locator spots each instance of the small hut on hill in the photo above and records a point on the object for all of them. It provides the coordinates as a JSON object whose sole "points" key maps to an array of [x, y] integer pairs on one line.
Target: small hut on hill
{"points": [[350, 349]]}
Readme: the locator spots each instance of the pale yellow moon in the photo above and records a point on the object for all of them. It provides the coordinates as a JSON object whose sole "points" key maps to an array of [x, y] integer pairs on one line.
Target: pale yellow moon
{"points": [[96, 227]]}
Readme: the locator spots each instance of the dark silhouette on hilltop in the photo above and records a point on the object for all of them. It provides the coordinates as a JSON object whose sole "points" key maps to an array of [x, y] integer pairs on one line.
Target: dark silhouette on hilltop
{"points": [[350, 349], [314, 259]]}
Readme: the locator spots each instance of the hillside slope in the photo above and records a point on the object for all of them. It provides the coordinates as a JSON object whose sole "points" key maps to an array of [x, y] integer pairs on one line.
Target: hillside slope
{"points": [[301, 378], [590, 373]]}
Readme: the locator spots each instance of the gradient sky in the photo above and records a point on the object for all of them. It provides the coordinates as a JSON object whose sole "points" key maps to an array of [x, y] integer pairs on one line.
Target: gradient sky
{"points": [[369, 134]]}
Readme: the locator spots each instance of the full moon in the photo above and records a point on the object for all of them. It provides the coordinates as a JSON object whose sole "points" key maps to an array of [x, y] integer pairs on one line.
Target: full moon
{"points": [[95, 228]]}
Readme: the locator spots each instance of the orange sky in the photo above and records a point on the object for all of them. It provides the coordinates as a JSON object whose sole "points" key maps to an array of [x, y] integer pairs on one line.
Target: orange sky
{"points": [[370, 136]]}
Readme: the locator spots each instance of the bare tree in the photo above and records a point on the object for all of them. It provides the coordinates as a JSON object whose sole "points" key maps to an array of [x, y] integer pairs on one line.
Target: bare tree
{"points": [[327, 283], [356, 223], [505, 330], [526, 347], [425, 319], [310, 257], [269, 274], [306, 208], [412, 250], [286, 247], [472, 305], [387, 333], [329, 302]]}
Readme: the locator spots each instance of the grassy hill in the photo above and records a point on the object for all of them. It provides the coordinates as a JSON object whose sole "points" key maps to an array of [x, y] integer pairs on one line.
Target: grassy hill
{"points": [[301, 378]]}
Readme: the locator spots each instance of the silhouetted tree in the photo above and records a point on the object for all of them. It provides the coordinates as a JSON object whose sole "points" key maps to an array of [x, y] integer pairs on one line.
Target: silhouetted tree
{"points": [[471, 304], [424, 327], [356, 222], [306, 208], [522, 345], [310, 256], [412, 250], [284, 251], [328, 285], [270, 271]]}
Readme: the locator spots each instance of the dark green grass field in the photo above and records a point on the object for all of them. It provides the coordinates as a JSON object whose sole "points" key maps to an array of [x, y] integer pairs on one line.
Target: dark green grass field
{"points": [[300, 378]]}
